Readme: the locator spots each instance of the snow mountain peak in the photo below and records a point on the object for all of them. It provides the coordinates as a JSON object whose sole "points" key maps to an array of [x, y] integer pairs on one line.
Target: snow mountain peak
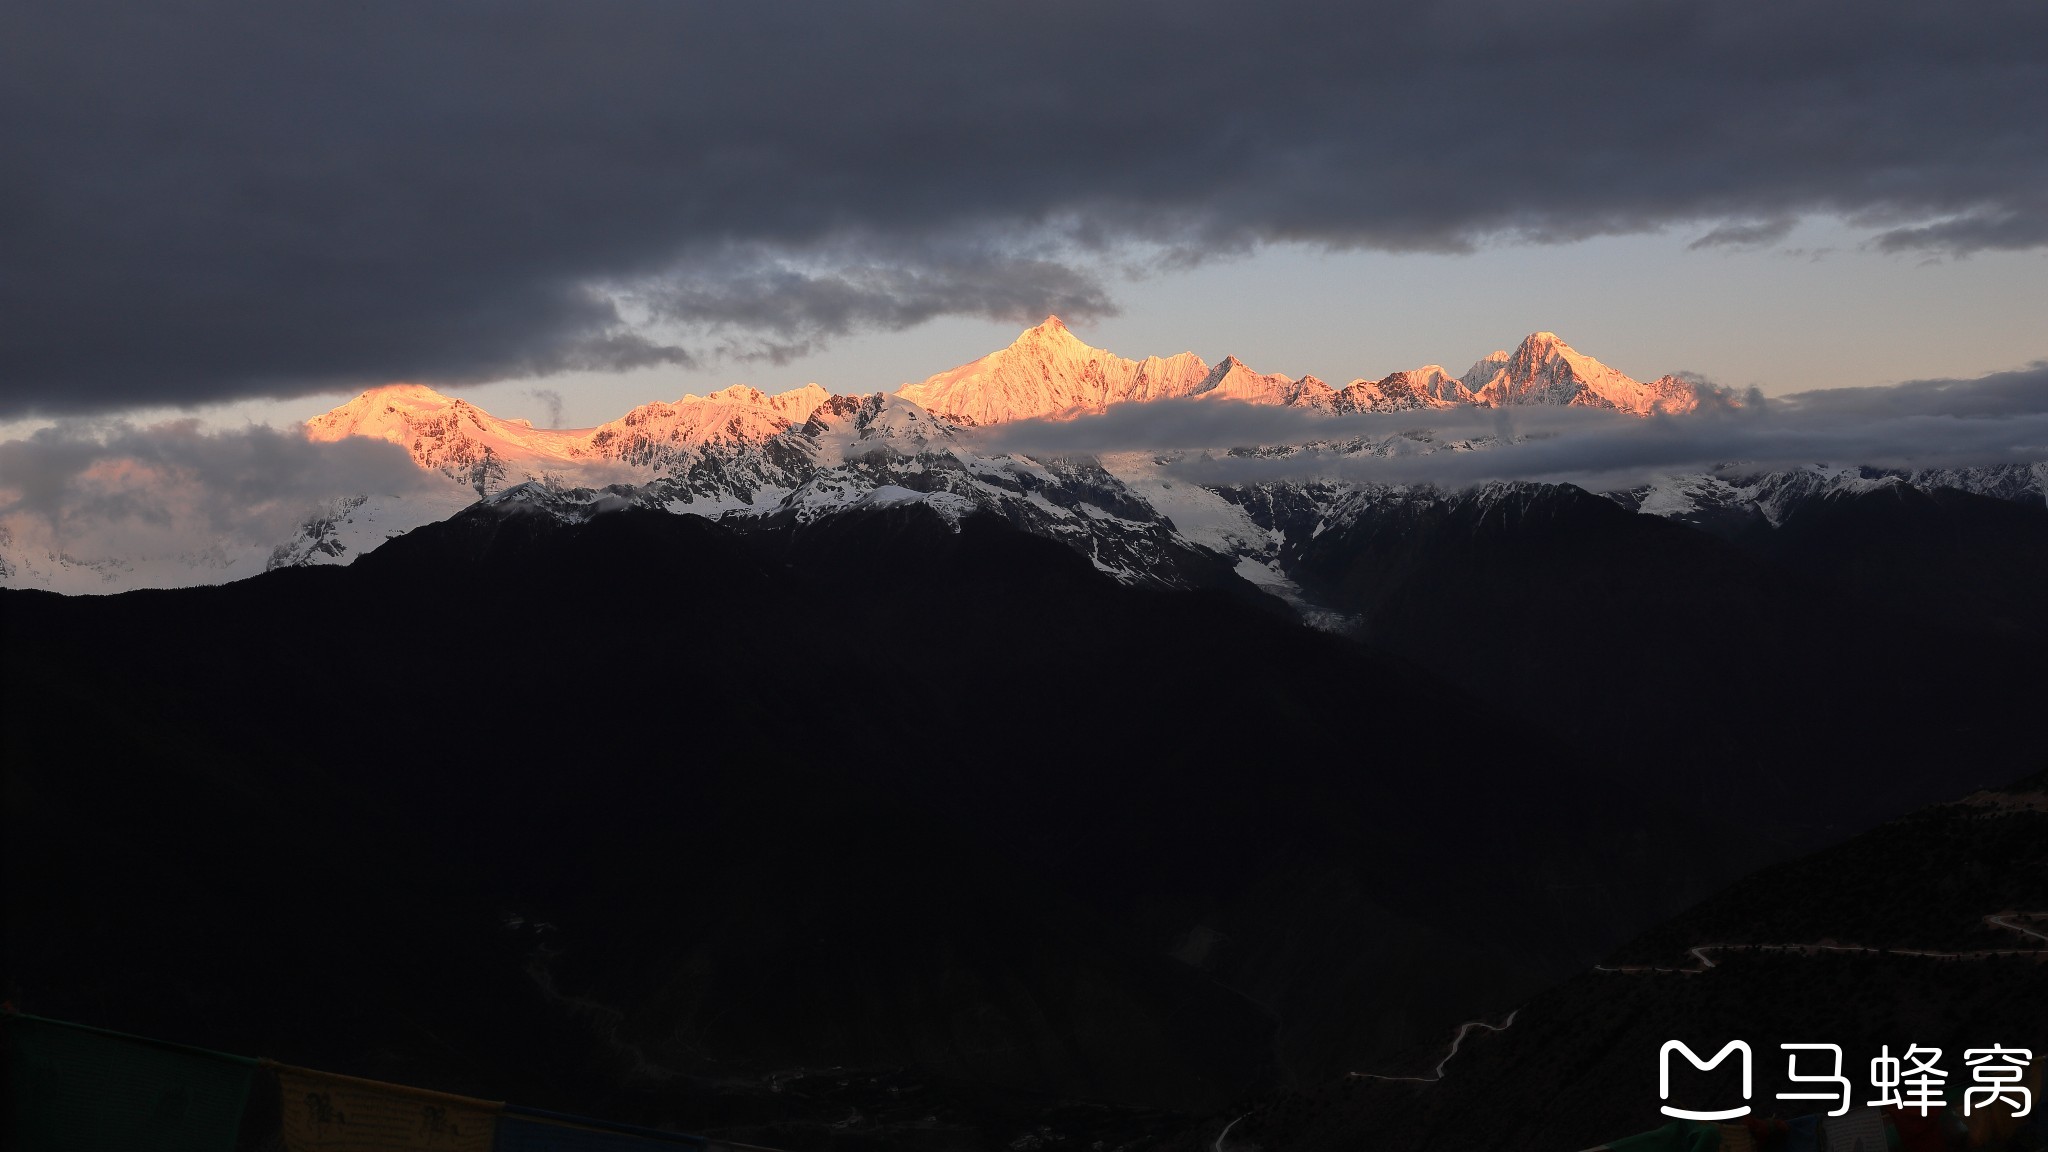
{"points": [[1048, 371], [1234, 380], [1051, 336], [440, 432], [401, 392], [1483, 369], [1543, 369], [807, 453]]}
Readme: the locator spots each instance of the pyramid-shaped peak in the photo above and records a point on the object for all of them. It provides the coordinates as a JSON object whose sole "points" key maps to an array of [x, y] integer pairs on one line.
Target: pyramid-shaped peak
{"points": [[1484, 368], [1541, 347], [1048, 370], [1051, 328], [1223, 369], [1049, 339]]}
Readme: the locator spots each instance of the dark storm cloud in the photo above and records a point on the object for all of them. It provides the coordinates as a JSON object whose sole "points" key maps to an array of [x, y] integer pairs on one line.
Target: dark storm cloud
{"points": [[202, 201], [1996, 419], [2023, 392], [1760, 234], [1974, 231], [778, 306]]}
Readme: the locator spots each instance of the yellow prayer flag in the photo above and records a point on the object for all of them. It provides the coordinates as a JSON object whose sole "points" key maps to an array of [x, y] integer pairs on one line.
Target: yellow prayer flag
{"points": [[1736, 1138], [324, 1112]]}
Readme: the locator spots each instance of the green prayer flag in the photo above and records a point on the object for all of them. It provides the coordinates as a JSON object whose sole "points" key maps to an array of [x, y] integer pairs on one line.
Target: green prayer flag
{"points": [[70, 1088], [1677, 1136]]}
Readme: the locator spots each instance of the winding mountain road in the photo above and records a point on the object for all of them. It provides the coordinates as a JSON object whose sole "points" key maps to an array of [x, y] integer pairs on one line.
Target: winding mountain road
{"points": [[1220, 1136], [1457, 1041], [2005, 920]]}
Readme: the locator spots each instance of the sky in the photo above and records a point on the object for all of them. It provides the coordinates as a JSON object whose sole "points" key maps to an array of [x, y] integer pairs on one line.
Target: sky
{"points": [[1778, 318], [218, 219], [253, 211]]}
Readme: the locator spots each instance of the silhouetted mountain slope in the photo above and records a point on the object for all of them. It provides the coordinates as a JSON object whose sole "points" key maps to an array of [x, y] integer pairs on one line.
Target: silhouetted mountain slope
{"points": [[1829, 672], [646, 815], [1971, 562], [1926, 880], [1579, 1064]]}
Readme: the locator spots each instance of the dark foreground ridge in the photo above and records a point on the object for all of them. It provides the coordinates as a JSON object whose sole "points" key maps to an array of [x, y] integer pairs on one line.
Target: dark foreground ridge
{"points": [[66, 1085], [1916, 932], [879, 831]]}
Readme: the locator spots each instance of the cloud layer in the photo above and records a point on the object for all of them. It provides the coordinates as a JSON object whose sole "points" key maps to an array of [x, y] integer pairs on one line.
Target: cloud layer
{"points": [[109, 490], [1996, 419], [95, 490], [204, 201]]}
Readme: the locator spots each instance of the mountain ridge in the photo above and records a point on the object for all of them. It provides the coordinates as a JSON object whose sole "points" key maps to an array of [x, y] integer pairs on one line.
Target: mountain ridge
{"points": [[806, 452], [1048, 372]]}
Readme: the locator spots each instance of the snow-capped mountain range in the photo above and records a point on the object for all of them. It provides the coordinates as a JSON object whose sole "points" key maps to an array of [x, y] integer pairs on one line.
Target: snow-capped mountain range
{"points": [[800, 455], [1051, 372]]}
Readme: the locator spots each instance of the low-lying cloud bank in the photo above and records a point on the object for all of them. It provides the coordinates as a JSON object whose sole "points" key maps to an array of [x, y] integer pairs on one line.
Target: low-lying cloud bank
{"points": [[92, 489], [1994, 419]]}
